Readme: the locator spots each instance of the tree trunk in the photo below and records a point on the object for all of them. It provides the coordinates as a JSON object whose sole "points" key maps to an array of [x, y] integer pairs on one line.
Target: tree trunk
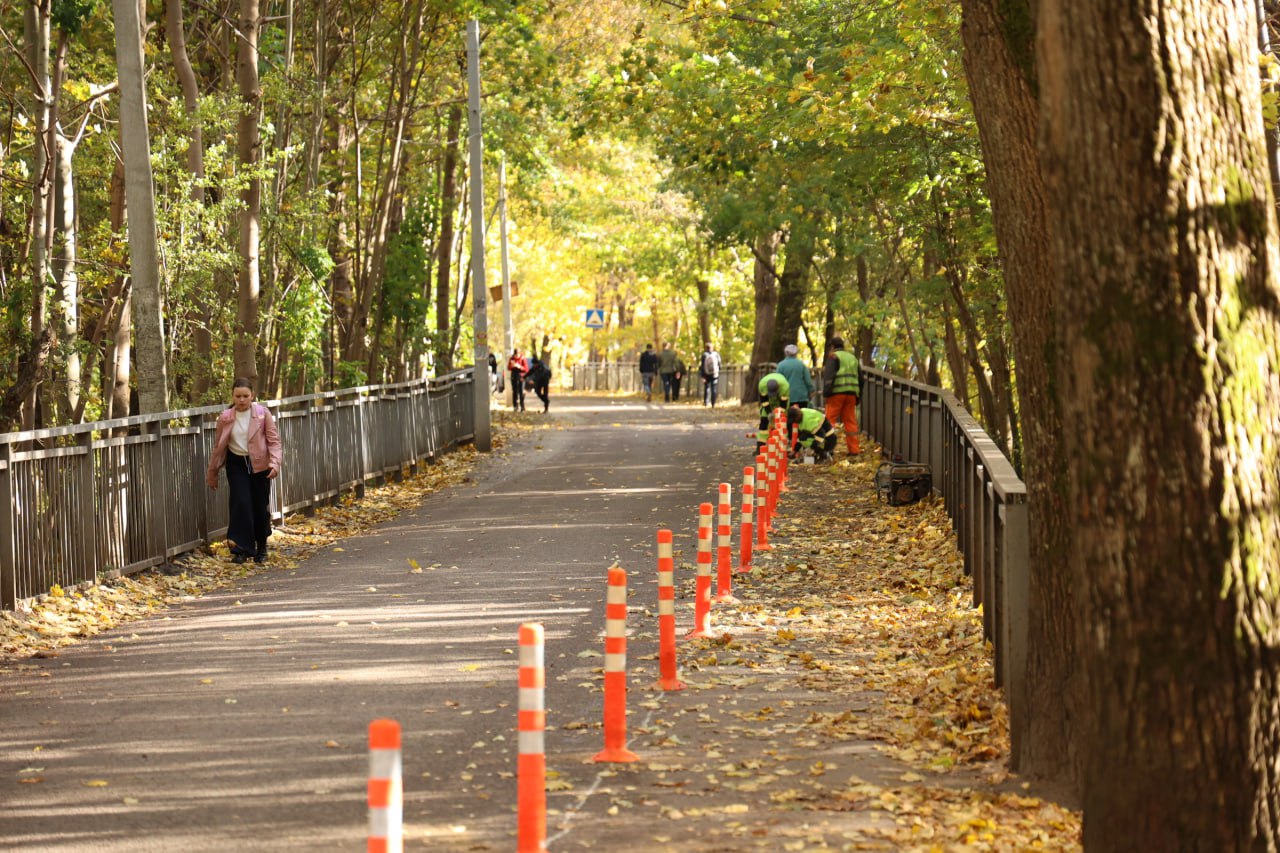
{"points": [[121, 360], [200, 318], [704, 310], [765, 279], [444, 246], [955, 360], [998, 40], [36, 36], [866, 333], [1169, 363], [248, 153], [144, 261], [388, 202], [341, 290], [67, 275], [793, 287], [115, 312]]}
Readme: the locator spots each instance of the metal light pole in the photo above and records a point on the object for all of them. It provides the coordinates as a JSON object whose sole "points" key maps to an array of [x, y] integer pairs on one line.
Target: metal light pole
{"points": [[479, 292], [508, 331]]}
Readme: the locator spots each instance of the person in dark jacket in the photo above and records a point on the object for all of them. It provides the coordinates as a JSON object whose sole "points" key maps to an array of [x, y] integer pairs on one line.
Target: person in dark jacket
{"points": [[540, 375], [667, 370], [518, 367], [648, 370]]}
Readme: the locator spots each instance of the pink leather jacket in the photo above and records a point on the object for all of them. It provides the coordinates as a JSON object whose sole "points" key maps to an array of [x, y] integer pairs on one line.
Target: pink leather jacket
{"points": [[264, 442]]}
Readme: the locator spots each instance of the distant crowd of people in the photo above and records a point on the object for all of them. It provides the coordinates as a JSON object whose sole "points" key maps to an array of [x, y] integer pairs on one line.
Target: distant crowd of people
{"points": [[788, 387], [669, 368]]}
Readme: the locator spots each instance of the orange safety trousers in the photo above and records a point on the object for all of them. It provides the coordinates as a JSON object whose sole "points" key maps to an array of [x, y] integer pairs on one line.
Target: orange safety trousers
{"points": [[843, 409]]}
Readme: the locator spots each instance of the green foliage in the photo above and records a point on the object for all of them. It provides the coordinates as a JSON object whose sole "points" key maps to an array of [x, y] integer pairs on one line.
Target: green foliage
{"points": [[70, 15]]}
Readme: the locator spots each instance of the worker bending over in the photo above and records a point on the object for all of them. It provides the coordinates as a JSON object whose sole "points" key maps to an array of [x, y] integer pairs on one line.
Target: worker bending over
{"points": [[813, 430]]}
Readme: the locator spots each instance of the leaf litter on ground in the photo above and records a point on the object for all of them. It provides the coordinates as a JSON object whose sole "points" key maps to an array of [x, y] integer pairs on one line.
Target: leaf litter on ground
{"points": [[846, 701]]}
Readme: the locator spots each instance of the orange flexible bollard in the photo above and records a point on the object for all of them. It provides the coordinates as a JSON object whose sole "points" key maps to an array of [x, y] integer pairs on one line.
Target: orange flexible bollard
{"points": [[771, 472], [724, 545], [615, 671], [748, 511], [702, 588], [531, 761], [780, 424], [762, 506], [670, 675], [386, 801]]}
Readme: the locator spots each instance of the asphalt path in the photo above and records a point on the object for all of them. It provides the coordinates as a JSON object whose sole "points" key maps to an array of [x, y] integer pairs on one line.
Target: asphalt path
{"points": [[238, 722]]}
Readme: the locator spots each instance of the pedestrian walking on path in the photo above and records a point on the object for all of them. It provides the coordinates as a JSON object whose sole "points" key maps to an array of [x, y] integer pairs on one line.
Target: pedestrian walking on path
{"points": [[246, 443], [840, 385], [709, 370], [517, 366], [667, 371], [648, 370], [682, 370], [540, 375]]}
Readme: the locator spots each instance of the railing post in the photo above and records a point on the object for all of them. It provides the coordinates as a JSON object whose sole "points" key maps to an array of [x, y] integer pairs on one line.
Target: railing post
{"points": [[1015, 559], [84, 526], [8, 571], [157, 518]]}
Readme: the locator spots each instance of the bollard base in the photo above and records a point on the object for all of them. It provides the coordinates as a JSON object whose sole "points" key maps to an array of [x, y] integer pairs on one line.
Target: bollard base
{"points": [[742, 570], [621, 756], [697, 634], [765, 547], [727, 598], [671, 684]]}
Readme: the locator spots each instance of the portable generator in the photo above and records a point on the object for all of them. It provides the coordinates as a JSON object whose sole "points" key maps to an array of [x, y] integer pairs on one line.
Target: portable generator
{"points": [[901, 483]]}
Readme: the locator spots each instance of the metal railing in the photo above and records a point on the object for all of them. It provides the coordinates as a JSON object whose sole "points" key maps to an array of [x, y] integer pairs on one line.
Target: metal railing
{"points": [[984, 497], [624, 377], [97, 500]]}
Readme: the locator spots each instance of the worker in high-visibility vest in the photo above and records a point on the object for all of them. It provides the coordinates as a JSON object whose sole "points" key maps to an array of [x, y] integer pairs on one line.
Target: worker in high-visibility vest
{"points": [[813, 430], [840, 386], [775, 393]]}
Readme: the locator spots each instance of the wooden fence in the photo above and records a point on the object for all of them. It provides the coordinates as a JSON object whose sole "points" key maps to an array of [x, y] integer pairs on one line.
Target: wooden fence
{"points": [[97, 500], [984, 497]]}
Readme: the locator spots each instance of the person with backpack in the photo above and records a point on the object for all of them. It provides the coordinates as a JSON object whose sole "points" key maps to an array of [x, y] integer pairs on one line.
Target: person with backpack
{"points": [[540, 376], [709, 370]]}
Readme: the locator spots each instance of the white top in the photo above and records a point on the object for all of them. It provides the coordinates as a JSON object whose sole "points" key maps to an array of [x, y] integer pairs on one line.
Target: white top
{"points": [[239, 443]]}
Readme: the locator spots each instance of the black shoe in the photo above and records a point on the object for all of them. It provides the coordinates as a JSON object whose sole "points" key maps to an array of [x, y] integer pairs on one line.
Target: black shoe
{"points": [[239, 558], [260, 557]]}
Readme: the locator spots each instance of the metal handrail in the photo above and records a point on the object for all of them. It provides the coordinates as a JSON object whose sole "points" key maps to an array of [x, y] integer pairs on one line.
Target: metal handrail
{"points": [[983, 495], [96, 500]]}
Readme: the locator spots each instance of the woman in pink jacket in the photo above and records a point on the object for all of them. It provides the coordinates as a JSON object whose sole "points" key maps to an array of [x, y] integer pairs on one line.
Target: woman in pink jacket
{"points": [[247, 443]]}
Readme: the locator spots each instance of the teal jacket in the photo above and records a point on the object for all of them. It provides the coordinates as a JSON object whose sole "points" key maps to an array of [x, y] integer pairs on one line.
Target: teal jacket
{"points": [[797, 373]]}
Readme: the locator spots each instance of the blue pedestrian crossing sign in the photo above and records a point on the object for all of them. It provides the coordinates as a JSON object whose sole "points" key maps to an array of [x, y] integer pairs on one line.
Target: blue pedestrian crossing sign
{"points": [[595, 318]]}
